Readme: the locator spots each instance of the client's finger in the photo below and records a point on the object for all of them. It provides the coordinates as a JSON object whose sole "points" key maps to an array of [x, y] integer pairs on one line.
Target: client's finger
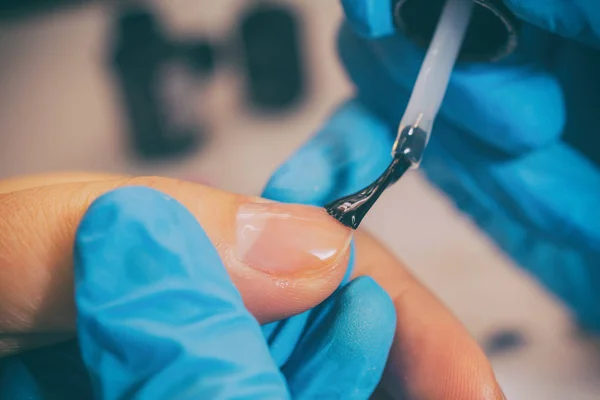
{"points": [[31, 181], [157, 314], [284, 259], [433, 357]]}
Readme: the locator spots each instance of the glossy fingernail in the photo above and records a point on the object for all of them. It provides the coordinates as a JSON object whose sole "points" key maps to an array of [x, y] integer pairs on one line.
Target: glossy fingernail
{"points": [[284, 239]]}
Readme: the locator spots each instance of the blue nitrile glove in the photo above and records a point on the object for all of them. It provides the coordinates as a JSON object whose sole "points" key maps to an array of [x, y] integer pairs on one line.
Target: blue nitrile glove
{"points": [[159, 318], [514, 145]]}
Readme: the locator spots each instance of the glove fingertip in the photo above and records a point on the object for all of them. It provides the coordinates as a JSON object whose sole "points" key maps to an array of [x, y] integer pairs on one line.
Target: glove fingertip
{"points": [[16, 381], [370, 18], [157, 306], [563, 17], [364, 296], [345, 352], [339, 157], [306, 178], [109, 260]]}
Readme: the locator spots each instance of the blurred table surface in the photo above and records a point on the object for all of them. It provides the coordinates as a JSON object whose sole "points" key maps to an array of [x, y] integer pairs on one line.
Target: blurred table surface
{"points": [[59, 111]]}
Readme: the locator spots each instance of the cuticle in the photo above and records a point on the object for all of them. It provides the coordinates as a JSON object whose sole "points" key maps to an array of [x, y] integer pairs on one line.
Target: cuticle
{"points": [[281, 210]]}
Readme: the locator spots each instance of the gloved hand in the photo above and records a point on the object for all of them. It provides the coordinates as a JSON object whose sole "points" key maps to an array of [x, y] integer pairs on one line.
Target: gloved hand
{"points": [[158, 317], [139, 257], [515, 144]]}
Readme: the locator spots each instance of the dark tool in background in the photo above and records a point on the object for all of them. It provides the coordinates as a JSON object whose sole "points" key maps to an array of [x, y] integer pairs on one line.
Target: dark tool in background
{"points": [[16, 9], [266, 46], [271, 57], [146, 63]]}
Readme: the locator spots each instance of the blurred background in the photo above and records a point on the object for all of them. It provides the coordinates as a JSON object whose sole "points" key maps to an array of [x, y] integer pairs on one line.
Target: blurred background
{"points": [[222, 93]]}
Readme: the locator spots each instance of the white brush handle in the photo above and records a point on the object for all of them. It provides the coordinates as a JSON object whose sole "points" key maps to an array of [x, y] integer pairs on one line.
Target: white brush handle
{"points": [[430, 87]]}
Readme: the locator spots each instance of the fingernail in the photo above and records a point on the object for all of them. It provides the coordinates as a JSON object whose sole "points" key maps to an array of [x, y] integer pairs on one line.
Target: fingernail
{"points": [[284, 239]]}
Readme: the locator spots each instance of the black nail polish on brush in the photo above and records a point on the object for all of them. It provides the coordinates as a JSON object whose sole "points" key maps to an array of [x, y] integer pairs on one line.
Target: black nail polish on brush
{"points": [[351, 210], [408, 151]]}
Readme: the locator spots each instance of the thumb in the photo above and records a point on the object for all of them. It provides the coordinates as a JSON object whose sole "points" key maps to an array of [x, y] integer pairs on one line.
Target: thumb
{"points": [[283, 258]]}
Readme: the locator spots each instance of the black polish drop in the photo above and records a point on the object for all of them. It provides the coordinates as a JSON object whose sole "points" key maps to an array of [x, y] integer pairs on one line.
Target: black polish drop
{"points": [[351, 210], [411, 144]]}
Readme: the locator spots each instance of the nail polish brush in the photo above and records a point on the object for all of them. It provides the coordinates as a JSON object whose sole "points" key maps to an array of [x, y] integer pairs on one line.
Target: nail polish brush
{"points": [[416, 124]]}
